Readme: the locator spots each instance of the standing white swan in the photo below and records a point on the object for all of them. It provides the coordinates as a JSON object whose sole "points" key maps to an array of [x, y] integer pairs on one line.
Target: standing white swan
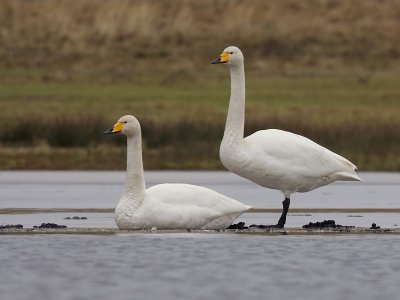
{"points": [[166, 206], [274, 158]]}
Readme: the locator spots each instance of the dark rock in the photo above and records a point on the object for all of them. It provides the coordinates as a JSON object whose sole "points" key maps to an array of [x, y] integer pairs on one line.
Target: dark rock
{"points": [[261, 226], [373, 226], [76, 218], [8, 226], [239, 225], [50, 225], [325, 224]]}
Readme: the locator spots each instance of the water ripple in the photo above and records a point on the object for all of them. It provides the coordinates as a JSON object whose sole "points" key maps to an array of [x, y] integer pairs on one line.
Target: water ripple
{"points": [[196, 266]]}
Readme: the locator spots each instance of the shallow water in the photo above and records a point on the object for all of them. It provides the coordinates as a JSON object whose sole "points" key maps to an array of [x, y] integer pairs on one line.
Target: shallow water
{"points": [[196, 265], [86, 189], [199, 266]]}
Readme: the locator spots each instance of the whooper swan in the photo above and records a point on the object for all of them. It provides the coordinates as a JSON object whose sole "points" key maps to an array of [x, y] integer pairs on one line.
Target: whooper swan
{"points": [[166, 206], [274, 158]]}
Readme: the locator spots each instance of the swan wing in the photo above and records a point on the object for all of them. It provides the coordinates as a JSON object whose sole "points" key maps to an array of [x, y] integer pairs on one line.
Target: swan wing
{"points": [[189, 206], [282, 152]]}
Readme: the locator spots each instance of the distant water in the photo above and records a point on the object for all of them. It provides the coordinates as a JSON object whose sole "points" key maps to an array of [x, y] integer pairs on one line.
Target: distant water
{"points": [[103, 189], [199, 266]]}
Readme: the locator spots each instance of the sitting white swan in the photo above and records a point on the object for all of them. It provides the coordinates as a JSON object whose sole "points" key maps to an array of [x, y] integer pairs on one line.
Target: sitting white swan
{"points": [[274, 158], [167, 206]]}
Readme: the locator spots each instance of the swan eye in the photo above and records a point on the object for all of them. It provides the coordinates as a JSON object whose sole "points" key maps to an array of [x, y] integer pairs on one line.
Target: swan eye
{"points": [[230, 52]]}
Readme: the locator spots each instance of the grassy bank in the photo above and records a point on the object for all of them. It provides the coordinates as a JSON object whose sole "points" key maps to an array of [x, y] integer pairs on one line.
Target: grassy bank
{"points": [[328, 70]]}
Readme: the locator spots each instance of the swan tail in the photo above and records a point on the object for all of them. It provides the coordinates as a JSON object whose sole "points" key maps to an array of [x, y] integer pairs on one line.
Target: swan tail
{"points": [[346, 176], [247, 208], [242, 208], [344, 161]]}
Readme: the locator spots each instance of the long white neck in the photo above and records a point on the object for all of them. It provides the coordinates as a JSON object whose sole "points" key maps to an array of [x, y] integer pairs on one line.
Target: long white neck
{"points": [[135, 187], [234, 128]]}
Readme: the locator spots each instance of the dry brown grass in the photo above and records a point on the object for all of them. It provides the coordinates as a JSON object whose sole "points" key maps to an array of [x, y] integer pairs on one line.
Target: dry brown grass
{"points": [[92, 33]]}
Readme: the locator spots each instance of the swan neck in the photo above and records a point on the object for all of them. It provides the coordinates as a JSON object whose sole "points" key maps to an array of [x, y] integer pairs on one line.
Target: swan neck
{"points": [[135, 186], [234, 128]]}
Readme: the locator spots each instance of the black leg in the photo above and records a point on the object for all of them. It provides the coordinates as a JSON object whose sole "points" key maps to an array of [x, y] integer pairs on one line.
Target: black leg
{"points": [[282, 219]]}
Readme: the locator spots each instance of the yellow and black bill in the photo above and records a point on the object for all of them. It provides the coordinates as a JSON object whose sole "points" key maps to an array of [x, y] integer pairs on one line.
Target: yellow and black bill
{"points": [[115, 129], [223, 58]]}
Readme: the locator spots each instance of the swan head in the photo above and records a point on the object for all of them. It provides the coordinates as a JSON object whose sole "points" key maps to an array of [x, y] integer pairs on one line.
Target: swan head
{"points": [[127, 125], [231, 56]]}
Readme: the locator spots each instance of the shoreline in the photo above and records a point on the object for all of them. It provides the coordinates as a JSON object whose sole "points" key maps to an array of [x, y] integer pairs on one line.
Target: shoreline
{"points": [[17, 211], [251, 231]]}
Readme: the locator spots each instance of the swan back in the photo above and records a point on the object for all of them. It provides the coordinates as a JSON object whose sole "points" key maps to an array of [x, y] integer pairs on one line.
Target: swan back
{"points": [[290, 162]]}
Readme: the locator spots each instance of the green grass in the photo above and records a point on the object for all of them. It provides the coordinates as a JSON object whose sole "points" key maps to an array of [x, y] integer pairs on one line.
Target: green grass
{"points": [[332, 97], [59, 125]]}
